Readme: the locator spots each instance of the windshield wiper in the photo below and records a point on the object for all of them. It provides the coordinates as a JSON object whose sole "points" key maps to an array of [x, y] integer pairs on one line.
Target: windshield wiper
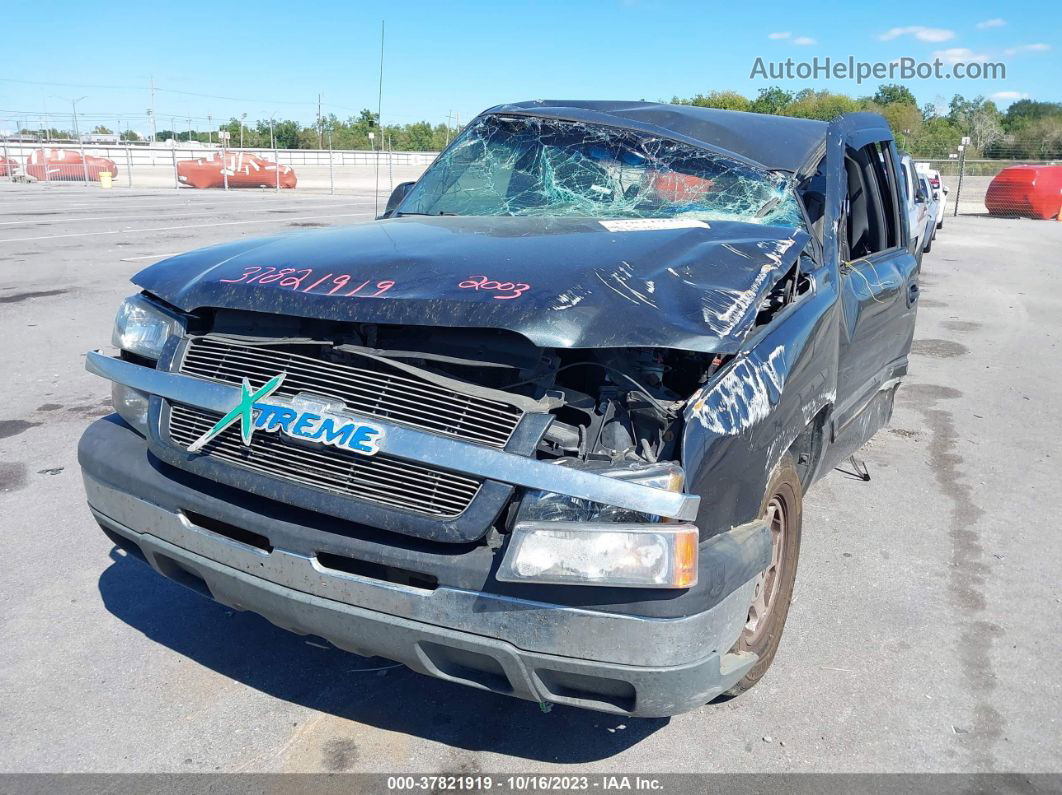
{"points": [[409, 212]]}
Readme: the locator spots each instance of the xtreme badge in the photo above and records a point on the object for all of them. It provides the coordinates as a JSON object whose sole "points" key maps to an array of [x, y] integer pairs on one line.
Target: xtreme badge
{"points": [[304, 417]]}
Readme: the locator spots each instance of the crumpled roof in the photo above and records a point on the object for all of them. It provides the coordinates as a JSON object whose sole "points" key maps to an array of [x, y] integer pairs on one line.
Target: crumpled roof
{"points": [[776, 142]]}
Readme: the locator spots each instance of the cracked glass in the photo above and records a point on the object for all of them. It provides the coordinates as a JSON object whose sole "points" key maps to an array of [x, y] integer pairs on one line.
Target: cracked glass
{"points": [[531, 166]]}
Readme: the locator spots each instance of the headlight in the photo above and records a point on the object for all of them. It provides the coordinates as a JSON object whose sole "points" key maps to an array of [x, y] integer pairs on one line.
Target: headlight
{"points": [[131, 405], [545, 506], [566, 540], [603, 553], [142, 328]]}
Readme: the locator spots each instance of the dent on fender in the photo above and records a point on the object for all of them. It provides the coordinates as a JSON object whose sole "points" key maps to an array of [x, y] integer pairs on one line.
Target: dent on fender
{"points": [[743, 395]]}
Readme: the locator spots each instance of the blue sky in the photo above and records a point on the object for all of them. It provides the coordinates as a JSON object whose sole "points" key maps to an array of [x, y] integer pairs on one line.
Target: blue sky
{"points": [[461, 57]]}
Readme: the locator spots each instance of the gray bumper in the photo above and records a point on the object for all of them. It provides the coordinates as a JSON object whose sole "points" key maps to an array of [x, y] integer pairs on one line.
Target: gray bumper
{"points": [[612, 662]]}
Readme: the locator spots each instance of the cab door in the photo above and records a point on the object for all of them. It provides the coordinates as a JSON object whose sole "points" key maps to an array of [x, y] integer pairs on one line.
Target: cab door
{"points": [[878, 279]]}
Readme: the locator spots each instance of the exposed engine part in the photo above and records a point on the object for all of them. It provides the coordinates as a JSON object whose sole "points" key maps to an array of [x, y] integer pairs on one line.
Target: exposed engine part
{"points": [[620, 404], [612, 404]]}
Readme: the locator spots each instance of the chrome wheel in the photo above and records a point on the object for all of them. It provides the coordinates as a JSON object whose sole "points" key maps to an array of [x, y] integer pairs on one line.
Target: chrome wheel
{"points": [[770, 578]]}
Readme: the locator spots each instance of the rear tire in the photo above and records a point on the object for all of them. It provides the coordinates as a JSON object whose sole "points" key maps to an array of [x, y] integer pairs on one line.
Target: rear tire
{"points": [[782, 507], [929, 243]]}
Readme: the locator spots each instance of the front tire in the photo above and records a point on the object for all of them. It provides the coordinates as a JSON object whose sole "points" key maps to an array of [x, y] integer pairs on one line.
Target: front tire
{"points": [[783, 508]]}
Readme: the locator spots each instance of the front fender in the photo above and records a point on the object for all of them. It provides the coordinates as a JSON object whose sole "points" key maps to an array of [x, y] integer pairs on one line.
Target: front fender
{"points": [[738, 426]]}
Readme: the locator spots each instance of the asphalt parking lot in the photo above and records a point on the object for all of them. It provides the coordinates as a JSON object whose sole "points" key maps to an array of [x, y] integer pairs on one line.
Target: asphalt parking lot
{"points": [[926, 633]]}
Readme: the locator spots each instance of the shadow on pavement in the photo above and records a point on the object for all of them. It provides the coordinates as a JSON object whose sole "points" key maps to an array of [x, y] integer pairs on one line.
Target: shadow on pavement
{"points": [[248, 649]]}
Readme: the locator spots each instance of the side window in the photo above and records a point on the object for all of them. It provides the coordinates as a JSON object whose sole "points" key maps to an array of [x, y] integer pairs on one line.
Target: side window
{"points": [[813, 193], [871, 210]]}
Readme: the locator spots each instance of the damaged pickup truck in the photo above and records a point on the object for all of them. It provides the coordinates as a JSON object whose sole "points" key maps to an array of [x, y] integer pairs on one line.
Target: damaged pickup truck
{"points": [[544, 427]]}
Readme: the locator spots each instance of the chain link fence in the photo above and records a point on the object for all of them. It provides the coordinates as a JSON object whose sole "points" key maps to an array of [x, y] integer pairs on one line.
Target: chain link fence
{"points": [[199, 167], [1007, 186], [1004, 185]]}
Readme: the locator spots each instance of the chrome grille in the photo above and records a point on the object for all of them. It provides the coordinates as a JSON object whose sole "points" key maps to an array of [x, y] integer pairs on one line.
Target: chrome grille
{"points": [[380, 478], [376, 392]]}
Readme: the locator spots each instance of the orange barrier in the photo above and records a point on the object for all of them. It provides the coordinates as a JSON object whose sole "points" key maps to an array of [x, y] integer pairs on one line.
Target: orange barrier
{"points": [[1032, 191], [67, 165], [8, 166], [243, 170]]}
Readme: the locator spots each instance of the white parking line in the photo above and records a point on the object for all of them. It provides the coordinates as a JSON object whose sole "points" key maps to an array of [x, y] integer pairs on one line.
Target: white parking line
{"points": [[63, 220], [148, 256], [38, 202], [184, 226]]}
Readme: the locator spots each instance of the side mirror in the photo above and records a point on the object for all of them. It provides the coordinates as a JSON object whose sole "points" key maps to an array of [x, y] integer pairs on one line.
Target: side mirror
{"points": [[946, 190], [396, 197]]}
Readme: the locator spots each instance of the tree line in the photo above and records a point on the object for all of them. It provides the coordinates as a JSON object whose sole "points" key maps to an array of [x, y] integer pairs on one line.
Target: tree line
{"points": [[330, 132], [1028, 130]]}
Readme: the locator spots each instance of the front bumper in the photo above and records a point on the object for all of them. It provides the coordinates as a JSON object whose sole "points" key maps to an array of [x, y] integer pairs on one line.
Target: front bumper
{"points": [[624, 664]]}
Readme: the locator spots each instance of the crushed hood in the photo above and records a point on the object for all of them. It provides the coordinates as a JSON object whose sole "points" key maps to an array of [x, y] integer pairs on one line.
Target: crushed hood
{"points": [[560, 282]]}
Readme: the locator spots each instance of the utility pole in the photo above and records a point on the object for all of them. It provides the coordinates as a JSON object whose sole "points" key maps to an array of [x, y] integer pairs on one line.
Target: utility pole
{"points": [[151, 111], [379, 120], [210, 129], [189, 130], [320, 129], [243, 118]]}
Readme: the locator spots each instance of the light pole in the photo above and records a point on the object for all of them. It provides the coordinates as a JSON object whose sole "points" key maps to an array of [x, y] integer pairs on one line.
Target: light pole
{"points": [[272, 139], [189, 130], [243, 117], [210, 130]]}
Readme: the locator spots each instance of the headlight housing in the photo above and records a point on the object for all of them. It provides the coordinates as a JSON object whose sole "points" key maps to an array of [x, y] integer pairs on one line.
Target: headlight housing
{"points": [[602, 553], [546, 506], [570, 541], [142, 328]]}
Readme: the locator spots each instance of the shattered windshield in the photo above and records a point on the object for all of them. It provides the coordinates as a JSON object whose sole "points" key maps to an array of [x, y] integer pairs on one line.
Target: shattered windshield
{"points": [[530, 166]]}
